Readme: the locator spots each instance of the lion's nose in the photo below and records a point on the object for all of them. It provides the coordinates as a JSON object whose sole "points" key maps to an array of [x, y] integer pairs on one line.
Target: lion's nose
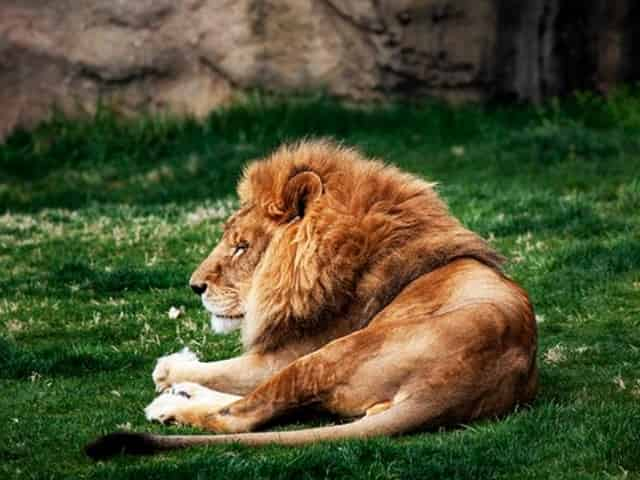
{"points": [[199, 288]]}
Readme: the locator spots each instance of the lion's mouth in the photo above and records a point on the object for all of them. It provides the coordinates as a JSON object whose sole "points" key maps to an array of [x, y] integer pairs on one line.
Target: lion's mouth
{"points": [[229, 317], [223, 310], [223, 322]]}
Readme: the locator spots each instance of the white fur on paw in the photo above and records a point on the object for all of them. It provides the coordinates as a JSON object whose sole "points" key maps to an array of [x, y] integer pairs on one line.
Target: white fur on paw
{"points": [[162, 372], [183, 397], [189, 390], [200, 394], [165, 407], [186, 355]]}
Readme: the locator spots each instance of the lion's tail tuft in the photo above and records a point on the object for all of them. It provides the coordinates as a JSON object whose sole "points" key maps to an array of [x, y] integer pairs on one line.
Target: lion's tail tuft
{"points": [[122, 443]]}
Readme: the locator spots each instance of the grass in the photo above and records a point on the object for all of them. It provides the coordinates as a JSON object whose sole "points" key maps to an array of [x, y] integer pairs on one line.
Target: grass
{"points": [[102, 221]]}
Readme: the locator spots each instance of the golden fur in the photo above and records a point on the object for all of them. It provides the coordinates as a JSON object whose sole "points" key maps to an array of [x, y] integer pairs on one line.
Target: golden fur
{"points": [[359, 293]]}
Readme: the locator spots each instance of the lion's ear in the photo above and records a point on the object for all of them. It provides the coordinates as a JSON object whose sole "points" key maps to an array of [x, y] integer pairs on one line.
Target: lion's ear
{"points": [[299, 192]]}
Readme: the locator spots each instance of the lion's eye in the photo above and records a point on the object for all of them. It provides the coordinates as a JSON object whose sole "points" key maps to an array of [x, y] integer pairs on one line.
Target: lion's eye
{"points": [[240, 249]]}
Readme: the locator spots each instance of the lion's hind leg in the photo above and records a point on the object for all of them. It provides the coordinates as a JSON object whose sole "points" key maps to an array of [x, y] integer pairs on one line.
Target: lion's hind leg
{"points": [[320, 378], [186, 397]]}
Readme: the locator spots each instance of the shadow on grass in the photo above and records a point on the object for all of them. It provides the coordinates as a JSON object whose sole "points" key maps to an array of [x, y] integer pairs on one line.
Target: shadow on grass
{"points": [[519, 212], [119, 279], [21, 363], [584, 270]]}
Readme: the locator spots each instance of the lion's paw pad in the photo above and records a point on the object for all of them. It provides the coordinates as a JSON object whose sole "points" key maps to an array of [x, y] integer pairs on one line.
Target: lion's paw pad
{"points": [[165, 407]]}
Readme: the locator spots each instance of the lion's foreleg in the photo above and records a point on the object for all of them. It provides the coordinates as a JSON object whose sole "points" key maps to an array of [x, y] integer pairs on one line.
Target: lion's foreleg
{"points": [[237, 375]]}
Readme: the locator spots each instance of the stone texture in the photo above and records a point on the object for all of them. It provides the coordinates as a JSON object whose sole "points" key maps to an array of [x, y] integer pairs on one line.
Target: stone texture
{"points": [[189, 56]]}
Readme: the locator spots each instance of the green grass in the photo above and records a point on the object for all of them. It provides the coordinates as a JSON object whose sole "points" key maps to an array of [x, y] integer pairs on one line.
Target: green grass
{"points": [[102, 222]]}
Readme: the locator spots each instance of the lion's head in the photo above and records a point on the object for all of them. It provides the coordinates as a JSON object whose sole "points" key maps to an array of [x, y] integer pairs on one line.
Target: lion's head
{"points": [[322, 231], [264, 264], [224, 279]]}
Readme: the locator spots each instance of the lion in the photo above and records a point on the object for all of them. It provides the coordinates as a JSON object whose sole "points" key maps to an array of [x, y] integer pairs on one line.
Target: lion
{"points": [[356, 292]]}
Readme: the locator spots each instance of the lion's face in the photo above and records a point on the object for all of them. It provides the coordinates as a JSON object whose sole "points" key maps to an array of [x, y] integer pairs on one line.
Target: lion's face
{"points": [[262, 253], [224, 278]]}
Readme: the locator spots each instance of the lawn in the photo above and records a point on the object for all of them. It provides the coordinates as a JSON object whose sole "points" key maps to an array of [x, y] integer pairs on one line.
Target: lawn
{"points": [[103, 220]]}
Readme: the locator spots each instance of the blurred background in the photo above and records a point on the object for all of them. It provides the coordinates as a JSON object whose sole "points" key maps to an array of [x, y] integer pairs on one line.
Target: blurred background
{"points": [[189, 56]]}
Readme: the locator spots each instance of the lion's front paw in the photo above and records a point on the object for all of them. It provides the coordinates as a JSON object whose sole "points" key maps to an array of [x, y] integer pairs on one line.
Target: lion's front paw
{"points": [[168, 368]]}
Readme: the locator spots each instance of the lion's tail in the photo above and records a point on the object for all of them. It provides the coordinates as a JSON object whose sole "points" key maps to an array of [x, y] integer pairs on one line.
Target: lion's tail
{"points": [[398, 419]]}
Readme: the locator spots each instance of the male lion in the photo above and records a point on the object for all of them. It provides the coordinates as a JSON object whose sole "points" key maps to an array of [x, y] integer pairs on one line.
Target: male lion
{"points": [[357, 292]]}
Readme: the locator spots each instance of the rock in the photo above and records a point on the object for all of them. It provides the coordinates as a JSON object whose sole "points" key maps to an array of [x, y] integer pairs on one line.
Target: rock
{"points": [[189, 56]]}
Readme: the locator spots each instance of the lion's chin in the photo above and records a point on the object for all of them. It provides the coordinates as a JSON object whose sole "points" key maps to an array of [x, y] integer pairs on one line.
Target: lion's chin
{"points": [[224, 325]]}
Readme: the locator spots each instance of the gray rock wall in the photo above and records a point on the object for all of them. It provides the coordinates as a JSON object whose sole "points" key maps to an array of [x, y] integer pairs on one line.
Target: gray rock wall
{"points": [[189, 56]]}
